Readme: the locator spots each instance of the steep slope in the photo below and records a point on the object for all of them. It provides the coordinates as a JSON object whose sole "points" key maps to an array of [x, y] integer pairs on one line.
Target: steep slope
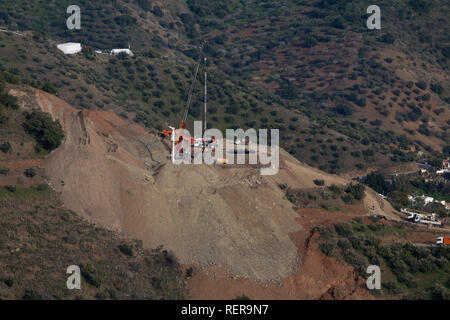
{"points": [[40, 238], [118, 175], [207, 215]]}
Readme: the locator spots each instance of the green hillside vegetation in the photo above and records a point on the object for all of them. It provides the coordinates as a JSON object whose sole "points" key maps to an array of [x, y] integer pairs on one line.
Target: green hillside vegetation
{"points": [[408, 271], [47, 132], [331, 198], [310, 68], [41, 240]]}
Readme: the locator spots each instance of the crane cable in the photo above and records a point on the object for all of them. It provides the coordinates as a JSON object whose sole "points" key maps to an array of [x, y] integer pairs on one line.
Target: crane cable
{"points": [[191, 89]]}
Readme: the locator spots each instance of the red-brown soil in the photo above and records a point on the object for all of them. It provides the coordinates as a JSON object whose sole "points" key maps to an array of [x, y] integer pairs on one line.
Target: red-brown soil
{"points": [[319, 277], [225, 221]]}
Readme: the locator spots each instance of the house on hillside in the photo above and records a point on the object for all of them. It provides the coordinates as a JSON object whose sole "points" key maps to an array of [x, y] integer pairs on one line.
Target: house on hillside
{"points": [[445, 167], [426, 200], [445, 204], [116, 52], [69, 47]]}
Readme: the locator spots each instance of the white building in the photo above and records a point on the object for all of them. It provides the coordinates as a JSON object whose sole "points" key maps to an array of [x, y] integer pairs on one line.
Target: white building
{"points": [[445, 167], [69, 47], [426, 199], [116, 52]]}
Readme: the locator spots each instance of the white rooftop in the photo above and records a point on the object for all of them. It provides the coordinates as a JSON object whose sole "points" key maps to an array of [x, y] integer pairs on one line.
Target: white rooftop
{"points": [[69, 47]]}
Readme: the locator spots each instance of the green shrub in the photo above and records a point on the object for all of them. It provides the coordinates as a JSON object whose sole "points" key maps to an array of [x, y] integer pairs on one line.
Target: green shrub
{"points": [[30, 172], [420, 6], [436, 88], [5, 147], [356, 190], [438, 292], [376, 182], [48, 87], [189, 272], [291, 196], [282, 186], [344, 109], [407, 279], [387, 38], [344, 244], [446, 52], [4, 171], [338, 23], [127, 249], [327, 247], [125, 20], [144, 4], [42, 187], [344, 229], [9, 101], [157, 11], [421, 85], [31, 295], [391, 286], [11, 188], [347, 198], [156, 283], [319, 182], [335, 189], [47, 132], [310, 42], [89, 273], [398, 199], [3, 118]]}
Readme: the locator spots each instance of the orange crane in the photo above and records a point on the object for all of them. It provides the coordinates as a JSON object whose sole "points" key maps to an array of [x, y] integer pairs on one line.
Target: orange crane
{"points": [[167, 133]]}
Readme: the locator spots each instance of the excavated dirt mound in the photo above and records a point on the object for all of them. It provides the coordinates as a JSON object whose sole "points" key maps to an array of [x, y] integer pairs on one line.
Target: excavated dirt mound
{"points": [[319, 277], [118, 175]]}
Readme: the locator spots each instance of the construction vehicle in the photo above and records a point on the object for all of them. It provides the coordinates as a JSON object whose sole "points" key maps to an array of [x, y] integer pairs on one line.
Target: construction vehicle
{"points": [[167, 133], [443, 240], [221, 161], [418, 218], [197, 142], [423, 217]]}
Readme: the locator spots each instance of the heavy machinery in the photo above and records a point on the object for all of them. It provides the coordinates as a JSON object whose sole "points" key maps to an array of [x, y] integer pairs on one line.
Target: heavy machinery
{"points": [[430, 219], [168, 133], [443, 240]]}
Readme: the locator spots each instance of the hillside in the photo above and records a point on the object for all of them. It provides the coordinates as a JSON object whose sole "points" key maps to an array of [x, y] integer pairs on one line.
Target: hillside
{"points": [[116, 175], [40, 237], [229, 227], [344, 98], [86, 178], [120, 176]]}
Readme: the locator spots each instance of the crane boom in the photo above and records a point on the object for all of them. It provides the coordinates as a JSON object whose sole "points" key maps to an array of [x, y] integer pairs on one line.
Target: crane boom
{"points": [[191, 89]]}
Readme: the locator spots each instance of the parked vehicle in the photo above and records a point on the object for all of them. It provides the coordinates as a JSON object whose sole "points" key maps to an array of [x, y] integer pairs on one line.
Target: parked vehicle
{"points": [[443, 240]]}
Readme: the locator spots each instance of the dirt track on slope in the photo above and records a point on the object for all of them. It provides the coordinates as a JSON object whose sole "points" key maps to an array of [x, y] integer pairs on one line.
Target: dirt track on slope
{"points": [[116, 174]]}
